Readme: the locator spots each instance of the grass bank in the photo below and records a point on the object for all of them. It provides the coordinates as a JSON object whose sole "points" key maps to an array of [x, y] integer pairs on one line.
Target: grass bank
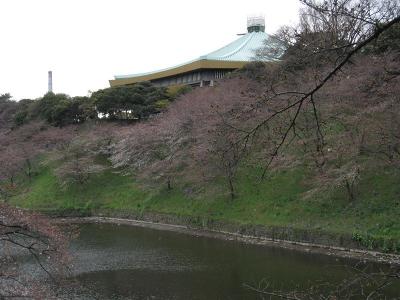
{"points": [[279, 207]]}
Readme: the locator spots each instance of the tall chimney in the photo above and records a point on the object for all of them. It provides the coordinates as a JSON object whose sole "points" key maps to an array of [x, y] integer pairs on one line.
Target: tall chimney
{"points": [[50, 83]]}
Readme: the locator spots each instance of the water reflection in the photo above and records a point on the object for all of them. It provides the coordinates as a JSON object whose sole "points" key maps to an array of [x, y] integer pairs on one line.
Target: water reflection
{"points": [[123, 262]]}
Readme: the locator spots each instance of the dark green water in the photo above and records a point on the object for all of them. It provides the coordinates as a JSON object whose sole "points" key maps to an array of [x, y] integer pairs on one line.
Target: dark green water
{"points": [[123, 262]]}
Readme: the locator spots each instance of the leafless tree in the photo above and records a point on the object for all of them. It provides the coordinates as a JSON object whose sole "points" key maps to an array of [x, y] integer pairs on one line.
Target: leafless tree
{"points": [[20, 148], [331, 33], [77, 157], [191, 139], [25, 233]]}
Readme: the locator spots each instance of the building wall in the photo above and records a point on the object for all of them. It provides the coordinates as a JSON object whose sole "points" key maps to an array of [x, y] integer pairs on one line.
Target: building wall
{"points": [[194, 78]]}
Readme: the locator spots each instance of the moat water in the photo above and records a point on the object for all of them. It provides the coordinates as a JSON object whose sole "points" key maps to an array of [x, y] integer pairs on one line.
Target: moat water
{"points": [[126, 262]]}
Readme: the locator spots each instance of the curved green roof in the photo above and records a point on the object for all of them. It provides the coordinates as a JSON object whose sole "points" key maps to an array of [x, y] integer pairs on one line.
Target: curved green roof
{"points": [[242, 49]]}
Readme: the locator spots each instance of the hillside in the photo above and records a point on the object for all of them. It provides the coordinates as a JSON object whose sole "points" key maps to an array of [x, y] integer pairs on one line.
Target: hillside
{"points": [[338, 175]]}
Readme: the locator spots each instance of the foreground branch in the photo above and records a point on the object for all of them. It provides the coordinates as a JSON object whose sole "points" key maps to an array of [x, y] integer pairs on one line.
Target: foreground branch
{"points": [[308, 96]]}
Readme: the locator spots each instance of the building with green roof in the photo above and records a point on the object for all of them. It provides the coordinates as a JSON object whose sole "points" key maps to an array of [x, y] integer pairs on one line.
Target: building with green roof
{"points": [[208, 68]]}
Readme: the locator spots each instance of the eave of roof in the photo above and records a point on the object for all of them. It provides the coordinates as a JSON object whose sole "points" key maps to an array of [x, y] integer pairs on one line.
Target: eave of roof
{"points": [[189, 67]]}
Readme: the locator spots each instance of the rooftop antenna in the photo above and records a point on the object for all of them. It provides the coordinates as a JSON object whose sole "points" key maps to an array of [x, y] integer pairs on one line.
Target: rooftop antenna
{"points": [[50, 82]]}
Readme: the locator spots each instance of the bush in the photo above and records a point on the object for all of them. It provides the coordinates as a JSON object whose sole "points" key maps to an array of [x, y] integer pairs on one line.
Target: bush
{"points": [[175, 91]]}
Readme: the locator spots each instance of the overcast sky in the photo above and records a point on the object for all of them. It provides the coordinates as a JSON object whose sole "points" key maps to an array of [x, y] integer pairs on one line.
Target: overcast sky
{"points": [[86, 42]]}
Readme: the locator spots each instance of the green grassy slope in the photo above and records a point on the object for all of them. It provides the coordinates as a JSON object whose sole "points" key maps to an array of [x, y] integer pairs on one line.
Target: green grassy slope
{"points": [[278, 201]]}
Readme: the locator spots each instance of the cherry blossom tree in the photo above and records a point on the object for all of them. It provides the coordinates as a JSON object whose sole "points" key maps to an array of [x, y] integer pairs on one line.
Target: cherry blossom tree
{"points": [[29, 234], [192, 139]]}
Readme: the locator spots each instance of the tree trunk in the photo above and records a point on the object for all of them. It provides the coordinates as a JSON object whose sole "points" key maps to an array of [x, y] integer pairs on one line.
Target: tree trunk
{"points": [[231, 188], [29, 170], [350, 192], [169, 186]]}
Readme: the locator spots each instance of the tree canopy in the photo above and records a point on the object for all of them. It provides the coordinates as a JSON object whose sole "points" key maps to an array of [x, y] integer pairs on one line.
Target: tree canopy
{"points": [[129, 102]]}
